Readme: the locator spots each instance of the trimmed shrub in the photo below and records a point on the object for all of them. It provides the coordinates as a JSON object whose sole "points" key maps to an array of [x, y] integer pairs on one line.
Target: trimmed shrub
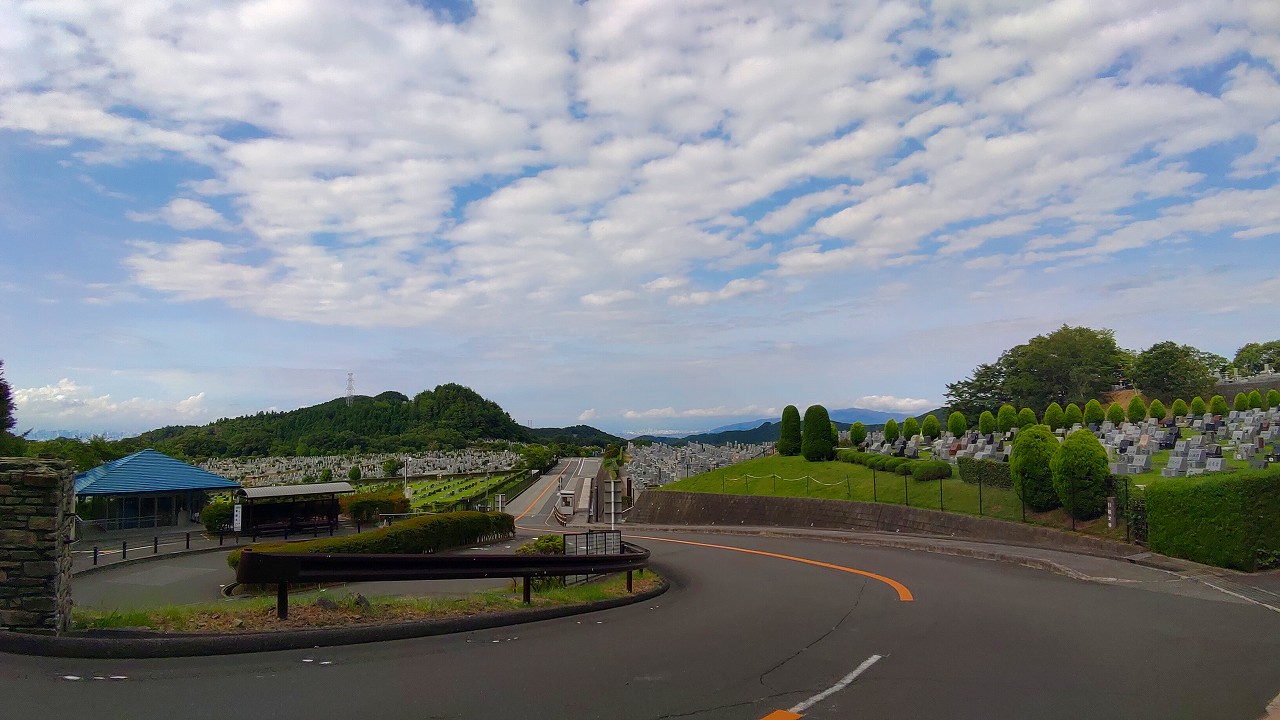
{"points": [[835, 438], [1230, 520], [1053, 416], [931, 470], [957, 424], [1026, 418], [857, 434], [1255, 399], [1273, 398], [893, 463], [217, 515], [1033, 450], [986, 423], [543, 545], [1198, 407], [1218, 406], [429, 533], [1156, 410], [930, 428], [1137, 410], [789, 429], [910, 428], [891, 430], [1080, 475], [905, 468], [1007, 418], [1115, 413], [353, 474], [1179, 408], [1072, 416], [368, 506], [989, 472], [1241, 402], [815, 442], [1093, 414]]}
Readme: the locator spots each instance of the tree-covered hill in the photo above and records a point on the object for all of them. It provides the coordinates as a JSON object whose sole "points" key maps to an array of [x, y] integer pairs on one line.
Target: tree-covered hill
{"points": [[581, 435]]}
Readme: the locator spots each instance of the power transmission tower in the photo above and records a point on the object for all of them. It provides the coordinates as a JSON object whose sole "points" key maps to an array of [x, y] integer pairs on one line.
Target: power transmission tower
{"points": [[351, 388]]}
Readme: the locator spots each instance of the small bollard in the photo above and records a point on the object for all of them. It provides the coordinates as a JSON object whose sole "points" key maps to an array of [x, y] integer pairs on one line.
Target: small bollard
{"points": [[219, 538], [95, 554], [357, 526], [331, 525], [124, 549], [526, 590], [188, 541], [628, 581], [155, 545]]}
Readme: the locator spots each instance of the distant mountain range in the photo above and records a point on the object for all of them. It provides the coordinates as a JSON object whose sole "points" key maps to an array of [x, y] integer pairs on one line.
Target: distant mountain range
{"points": [[847, 415]]}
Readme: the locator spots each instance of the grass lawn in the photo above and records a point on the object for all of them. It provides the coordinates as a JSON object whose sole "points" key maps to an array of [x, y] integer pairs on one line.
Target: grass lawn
{"points": [[781, 476]]}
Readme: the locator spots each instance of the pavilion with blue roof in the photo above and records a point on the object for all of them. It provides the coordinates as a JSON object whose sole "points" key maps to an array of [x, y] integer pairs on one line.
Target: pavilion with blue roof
{"points": [[142, 490]]}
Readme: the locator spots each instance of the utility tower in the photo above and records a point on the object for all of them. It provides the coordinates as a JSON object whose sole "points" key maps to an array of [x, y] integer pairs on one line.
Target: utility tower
{"points": [[351, 388]]}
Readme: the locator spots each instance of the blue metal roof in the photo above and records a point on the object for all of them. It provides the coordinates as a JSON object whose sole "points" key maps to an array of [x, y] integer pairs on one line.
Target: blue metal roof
{"points": [[148, 471]]}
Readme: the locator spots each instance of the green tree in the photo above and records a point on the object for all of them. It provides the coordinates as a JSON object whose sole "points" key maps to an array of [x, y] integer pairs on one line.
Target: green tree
{"points": [[790, 434], [6, 404], [1007, 418], [835, 435], [1115, 413], [986, 423], [1273, 398], [1137, 409], [1255, 400], [857, 434], [1072, 416], [354, 473], [1026, 418], [891, 430], [1029, 467], [1167, 369], [1241, 402], [1198, 407], [1054, 416], [1080, 475], [910, 428], [391, 466], [1093, 414], [1218, 406], [815, 443], [326, 475], [930, 428], [956, 424], [1251, 358], [1179, 408], [1156, 410]]}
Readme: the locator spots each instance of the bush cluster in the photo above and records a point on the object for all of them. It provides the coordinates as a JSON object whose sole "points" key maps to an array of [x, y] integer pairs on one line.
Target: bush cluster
{"points": [[1080, 475], [429, 533], [930, 470], [368, 506], [1033, 450], [1230, 520], [543, 545], [217, 515], [989, 472]]}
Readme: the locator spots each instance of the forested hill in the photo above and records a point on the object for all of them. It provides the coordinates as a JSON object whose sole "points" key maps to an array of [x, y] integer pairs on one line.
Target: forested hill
{"points": [[575, 435], [450, 416]]}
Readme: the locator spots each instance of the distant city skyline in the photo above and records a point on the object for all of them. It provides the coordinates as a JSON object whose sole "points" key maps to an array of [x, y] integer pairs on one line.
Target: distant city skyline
{"points": [[657, 216]]}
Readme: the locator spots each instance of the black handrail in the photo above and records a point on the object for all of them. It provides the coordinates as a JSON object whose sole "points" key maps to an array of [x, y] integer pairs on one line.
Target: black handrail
{"points": [[284, 568]]}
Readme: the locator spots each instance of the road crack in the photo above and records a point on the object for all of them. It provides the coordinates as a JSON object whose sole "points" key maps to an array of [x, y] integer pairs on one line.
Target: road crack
{"points": [[857, 601]]}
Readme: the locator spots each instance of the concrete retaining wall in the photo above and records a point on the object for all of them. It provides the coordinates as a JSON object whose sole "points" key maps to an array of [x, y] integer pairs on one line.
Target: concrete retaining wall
{"points": [[664, 507]]}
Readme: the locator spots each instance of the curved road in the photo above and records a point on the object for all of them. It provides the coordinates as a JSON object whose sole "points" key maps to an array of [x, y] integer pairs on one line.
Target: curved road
{"points": [[745, 635]]}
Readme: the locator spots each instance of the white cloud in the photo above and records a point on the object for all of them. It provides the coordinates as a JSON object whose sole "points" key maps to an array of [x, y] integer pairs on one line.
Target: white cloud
{"points": [[588, 414], [731, 289], [184, 214], [65, 401], [889, 403], [709, 412]]}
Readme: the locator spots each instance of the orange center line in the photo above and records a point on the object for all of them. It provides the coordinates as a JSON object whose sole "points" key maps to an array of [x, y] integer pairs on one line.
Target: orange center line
{"points": [[544, 492], [904, 594]]}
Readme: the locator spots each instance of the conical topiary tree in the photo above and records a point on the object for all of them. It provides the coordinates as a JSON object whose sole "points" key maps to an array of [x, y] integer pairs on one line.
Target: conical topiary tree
{"points": [[1241, 402], [857, 434], [1179, 408], [1137, 410], [910, 428], [1029, 467], [957, 425], [1115, 413], [1156, 410], [930, 428], [815, 442], [1026, 418], [1198, 406], [1273, 398], [1072, 416], [1007, 418], [835, 435], [1218, 405], [789, 429], [1080, 475], [1093, 414], [891, 431], [986, 423], [1053, 416], [1255, 399]]}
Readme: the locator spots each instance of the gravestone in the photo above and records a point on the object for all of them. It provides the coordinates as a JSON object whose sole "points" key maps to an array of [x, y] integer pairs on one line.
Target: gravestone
{"points": [[36, 515], [1215, 465]]}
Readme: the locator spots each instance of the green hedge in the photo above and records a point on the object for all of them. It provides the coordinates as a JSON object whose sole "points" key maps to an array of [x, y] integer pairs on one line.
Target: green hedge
{"points": [[1230, 520], [429, 533], [368, 506], [931, 470], [905, 468], [989, 472]]}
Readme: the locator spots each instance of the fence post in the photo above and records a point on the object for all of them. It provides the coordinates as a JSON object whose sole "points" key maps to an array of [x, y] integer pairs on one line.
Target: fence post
{"points": [[124, 549], [1126, 510], [628, 581], [906, 492], [874, 494], [848, 489], [1024, 507], [95, 554], [526, 590], [940, 507], [282, 600], [979, 495], [1073, 504]]}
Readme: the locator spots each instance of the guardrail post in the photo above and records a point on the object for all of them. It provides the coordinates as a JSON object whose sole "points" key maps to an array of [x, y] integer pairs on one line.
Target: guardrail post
{"points": [[95, 554], [628, 581], [124, 549], [188, 541], [282, 600], [155, 545], [526, 590]]}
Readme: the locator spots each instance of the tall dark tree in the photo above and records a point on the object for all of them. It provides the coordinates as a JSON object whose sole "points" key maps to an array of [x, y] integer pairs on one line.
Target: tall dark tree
{"points": [[816, 444], [984, 389], [857, 434], [1253, 357], [789, 429], [1167, 370], [6, 403]]}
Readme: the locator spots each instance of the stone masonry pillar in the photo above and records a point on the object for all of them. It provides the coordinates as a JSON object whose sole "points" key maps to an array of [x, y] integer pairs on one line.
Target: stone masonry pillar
{"points": [[36, 512]]}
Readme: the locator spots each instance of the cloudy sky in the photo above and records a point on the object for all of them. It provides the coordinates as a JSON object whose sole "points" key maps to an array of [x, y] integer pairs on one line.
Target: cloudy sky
{"points": [[642, 215]]}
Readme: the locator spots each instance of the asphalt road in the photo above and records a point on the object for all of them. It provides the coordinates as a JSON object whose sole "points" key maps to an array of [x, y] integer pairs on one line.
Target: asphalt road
{"points": [[741, 636]]}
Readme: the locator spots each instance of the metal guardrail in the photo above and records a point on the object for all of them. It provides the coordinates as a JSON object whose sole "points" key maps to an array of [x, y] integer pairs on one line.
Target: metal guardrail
{"points": [[283, 568]]}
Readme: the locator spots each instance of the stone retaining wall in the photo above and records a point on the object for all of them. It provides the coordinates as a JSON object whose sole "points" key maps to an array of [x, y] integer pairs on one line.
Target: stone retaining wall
{"points": [[665, 507], [36, 513]]}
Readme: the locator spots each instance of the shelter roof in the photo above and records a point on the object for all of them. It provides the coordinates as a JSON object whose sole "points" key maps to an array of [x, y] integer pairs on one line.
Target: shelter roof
{"points": [[148, 471], [278, 491]]}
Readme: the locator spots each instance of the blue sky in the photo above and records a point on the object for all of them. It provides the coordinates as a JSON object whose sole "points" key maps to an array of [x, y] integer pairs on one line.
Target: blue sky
{"points": [[645, 216]]}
